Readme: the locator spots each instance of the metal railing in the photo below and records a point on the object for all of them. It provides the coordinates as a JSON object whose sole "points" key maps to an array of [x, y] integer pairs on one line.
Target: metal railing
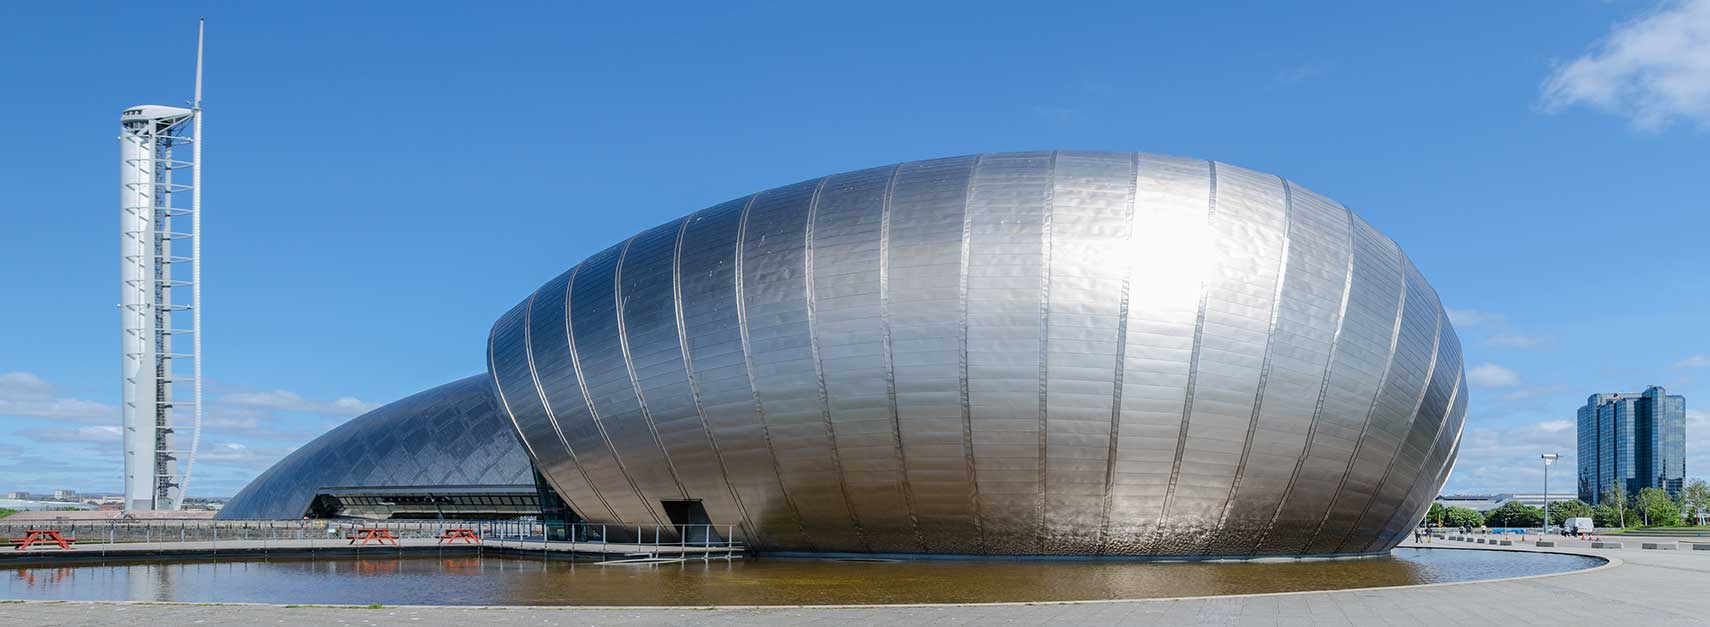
{"points": [[702, 540]]}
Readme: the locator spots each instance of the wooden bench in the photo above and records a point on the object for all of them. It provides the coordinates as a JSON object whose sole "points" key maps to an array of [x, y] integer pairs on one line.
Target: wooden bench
{"points": [[450, 536], [33, 537], [364, 536]]}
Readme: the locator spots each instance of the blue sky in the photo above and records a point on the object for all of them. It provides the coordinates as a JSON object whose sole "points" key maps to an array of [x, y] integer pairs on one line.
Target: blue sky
{"points": [[385, 179]]}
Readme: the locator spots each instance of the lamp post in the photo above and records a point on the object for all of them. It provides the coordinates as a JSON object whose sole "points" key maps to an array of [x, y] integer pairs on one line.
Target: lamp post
{"points": [[1549, 458]]}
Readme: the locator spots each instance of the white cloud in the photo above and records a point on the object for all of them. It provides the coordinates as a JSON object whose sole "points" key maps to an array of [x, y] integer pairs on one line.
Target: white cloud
{"points": [[1468, 318], [1653, 70], [96, 433], [1522, 342], [287, 401], [1505, 459], [1695, 361], [1490, 375], [25, 394]]}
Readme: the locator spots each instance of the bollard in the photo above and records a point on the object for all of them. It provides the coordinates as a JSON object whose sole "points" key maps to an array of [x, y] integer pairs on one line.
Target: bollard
{"points": [[1544, 543], [1606, 545], [1505, 543], [1658, 546]]}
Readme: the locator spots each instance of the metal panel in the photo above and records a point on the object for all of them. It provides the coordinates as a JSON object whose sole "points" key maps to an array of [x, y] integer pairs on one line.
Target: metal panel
{"points": [[720, 372], [1171, 230], [924, 241], [1361, 356], [651, 331], [1091, 214], [1391, 415], [1427, 425], [596, 332], [850, 337], [1308, 316], [1425, 483], [514, 373], [774, 295], [1248, 225], [1007, 211], [562, 385]]}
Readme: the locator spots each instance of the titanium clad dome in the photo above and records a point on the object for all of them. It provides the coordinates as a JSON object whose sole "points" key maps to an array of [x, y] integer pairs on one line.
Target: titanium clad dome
{"points": [[443, 439], [1060, 353]]}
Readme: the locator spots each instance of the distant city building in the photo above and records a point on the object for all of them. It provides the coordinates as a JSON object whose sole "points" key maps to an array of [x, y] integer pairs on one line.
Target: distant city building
{"points": [[1488, 502], [65, 495], [18, 495], [1638, 440]]}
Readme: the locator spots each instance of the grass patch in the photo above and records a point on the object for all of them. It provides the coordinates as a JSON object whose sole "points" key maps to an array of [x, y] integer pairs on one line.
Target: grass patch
{"points": [[374, 606]]}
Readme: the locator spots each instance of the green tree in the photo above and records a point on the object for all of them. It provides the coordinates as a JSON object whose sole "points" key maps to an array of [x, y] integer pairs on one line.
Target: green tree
{"points": [[1560, 511], [1434, 516], [1515, 514], [1606, 516], [1695, 498], [1462, 517], [1616, 496], [1657, 508], [7, 512]]}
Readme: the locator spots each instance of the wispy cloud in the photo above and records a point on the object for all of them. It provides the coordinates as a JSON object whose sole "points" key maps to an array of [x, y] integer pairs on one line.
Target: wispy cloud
{"points": [[24, 394], [1297, 74], [1522, 341], [1505, 459], [1695, 361], [1470, 318], [287, 401], [1489, 375], [1653, 70], [74, 443]]}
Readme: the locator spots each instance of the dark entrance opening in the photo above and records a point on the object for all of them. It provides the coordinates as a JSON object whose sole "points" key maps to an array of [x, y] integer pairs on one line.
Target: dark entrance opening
{"points": [[691, 521], [556, 518]]}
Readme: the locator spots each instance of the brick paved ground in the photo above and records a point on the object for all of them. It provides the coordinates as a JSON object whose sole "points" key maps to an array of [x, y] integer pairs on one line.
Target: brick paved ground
{"points": [[1643, 588]]}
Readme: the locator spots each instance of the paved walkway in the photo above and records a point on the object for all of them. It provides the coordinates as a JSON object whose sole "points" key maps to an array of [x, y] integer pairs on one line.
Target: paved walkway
{"points": [[1643, 587]]}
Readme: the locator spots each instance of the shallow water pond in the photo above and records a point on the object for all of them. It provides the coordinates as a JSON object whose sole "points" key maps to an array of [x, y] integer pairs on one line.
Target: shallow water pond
{"points": [[760, 581]]}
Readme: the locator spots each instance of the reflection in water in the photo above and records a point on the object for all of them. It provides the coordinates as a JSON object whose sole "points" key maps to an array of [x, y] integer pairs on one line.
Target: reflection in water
{"points": [[764, 581]]}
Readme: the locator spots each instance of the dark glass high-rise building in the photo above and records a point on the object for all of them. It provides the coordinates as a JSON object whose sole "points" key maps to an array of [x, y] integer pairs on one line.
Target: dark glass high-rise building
{"points": [[1638, 440]]}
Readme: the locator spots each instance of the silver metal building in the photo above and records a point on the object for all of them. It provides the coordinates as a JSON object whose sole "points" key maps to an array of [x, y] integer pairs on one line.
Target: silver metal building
{"points": [[1046, 353], [160, 243], [1064, 353]]}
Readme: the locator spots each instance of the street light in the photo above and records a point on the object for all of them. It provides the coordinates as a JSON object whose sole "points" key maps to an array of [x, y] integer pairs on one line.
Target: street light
{"points": [[1549, 458]]}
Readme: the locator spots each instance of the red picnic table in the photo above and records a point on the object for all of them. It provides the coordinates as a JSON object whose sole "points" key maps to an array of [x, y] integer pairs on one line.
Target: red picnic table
{"points": [[367, 535], [452, 536], [42, 536]]}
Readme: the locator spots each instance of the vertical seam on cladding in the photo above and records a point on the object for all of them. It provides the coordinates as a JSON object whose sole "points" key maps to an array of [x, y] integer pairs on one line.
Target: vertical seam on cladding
{"points": [[962, 335], [1412, 416], [1264, 363], [890, 367], [1436, 440], [1193, 365], [499, 391], [689, 373], [1359, 442], [546, 406], [1323, 389], [629, 367], [1121, 358], [748, 365], [1045, 348], [588, 399], [819, 367]]}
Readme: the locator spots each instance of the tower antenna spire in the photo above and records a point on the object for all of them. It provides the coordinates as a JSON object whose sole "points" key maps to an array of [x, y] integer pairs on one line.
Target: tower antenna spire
{"points": [[195, 269]]}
